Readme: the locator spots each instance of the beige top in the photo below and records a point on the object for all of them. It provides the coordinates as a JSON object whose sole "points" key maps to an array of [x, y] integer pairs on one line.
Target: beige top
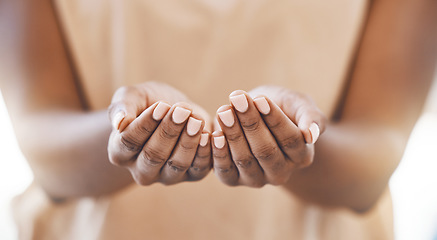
{"points": [[207, 49]]}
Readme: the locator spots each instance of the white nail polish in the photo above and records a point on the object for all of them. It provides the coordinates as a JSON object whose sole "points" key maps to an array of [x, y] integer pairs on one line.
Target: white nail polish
{"points": [[160, 111], [227, 118], [262, 105], [193, 126], [315, 132], [117, 120], [204, 139], [240, 103], [219, 142], [180, 115]]}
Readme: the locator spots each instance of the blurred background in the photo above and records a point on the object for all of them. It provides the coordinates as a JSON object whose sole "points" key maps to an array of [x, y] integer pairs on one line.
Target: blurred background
{"points": [[413, 185]]}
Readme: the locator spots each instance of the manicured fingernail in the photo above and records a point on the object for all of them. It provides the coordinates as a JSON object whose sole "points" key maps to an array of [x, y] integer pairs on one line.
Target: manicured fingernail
{"points": [[240, 103], [117, 120], [160, 111], [262, 105], [180, 115], [315, 132], [204, 139], [227, 118], [193, 126], [219, 142]]}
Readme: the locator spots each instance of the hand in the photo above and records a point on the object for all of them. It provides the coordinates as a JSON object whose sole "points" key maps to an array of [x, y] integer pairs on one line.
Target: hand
{"points": [[300, 108], [161, 142], [128, 102], [260, 143]]}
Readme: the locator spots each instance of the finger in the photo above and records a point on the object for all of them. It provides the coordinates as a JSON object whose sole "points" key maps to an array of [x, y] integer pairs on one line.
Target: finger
{"points": [[263, 144], [127, 103], [124, 146], [224, 168], [287, 134], [249, 170], [160, 145], [202, 162], [180, 161], [306, 115]]}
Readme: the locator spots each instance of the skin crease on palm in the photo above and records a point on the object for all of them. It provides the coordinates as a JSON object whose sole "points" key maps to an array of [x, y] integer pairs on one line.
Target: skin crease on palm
{"points": [[256, 141]]}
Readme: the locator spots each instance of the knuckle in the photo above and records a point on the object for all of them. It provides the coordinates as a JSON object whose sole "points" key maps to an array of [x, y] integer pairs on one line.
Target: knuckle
{"points": [[204, 156], [224, 169], [250, 125], [278, 167], [145, 129], [234, 137], [188, 146], [152, 158], [293, 141], [177, 166], [169, 132], [275, 124], [245, 163], [200, 168], [266, 153], [201, 162], [130, 142], [198, 172], [220, 155]]}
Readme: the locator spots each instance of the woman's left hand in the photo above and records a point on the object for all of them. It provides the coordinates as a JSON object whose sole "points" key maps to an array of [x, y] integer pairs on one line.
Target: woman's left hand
{"points": [[263, 139]]}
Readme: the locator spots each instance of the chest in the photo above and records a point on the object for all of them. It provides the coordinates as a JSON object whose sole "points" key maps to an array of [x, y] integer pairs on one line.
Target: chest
{"points": [[209, 48]]}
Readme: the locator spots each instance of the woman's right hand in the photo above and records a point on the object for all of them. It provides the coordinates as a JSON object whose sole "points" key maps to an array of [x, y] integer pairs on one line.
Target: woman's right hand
{"points": [[158, 135]]}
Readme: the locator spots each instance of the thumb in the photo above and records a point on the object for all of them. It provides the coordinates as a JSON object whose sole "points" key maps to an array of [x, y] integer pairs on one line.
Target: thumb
{"points": [[127, 103], [312, 124], [306, 115]]}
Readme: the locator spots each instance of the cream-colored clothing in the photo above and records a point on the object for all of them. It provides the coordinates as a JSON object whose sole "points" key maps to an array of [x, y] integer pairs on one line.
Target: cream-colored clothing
{"points": [[207, 49]]}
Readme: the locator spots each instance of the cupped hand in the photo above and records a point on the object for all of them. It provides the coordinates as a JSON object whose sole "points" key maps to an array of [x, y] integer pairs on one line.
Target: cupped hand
{"points": [[262, 141], [160, 142], [129, 102]]}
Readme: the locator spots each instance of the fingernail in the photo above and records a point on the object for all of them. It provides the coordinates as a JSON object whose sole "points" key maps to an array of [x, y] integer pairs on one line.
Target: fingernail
{"points": [[262, 105], [227, 118], [180, 115], [240, 103], [204, 139], [219, 142], [117, 120], [160, 111], [193, 126], [315, 132]]}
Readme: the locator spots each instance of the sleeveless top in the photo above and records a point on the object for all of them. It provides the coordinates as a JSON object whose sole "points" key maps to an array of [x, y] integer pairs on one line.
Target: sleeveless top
{"points": [[206, 49]]}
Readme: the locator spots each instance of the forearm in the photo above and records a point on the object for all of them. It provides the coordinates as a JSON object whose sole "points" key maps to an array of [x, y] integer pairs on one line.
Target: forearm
{"points": [[67, 152], [392, 74], [352, 165]]}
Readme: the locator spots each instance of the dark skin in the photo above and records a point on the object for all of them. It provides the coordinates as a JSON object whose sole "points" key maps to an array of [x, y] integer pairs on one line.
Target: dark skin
{"points": [[395, 65]]}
